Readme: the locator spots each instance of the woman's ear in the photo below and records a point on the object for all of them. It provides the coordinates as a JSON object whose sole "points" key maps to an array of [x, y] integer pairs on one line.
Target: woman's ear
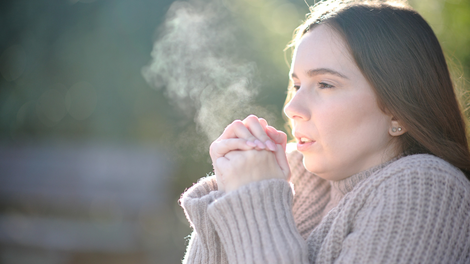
{"points": [[396, 129]]}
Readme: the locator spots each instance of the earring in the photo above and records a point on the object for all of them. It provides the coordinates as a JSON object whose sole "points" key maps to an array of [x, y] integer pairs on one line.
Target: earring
{"points": [[399, 129], [394, 129]]}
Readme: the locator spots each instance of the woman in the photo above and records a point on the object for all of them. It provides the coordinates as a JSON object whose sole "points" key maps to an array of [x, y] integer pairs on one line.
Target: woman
{"points": [[382, 166]]}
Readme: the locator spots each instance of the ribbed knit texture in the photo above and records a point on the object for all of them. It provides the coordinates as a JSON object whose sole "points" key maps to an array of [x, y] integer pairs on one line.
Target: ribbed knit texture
{"points": [[412, 210], [204, 245]]}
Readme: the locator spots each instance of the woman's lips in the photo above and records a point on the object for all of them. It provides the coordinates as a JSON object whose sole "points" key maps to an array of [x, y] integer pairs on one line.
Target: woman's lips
{"points": [[304, 146], [303, 142]]}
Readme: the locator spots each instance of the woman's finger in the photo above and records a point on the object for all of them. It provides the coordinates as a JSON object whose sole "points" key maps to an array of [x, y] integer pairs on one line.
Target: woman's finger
{"points": [[237, 129], [263, 122], [282, 161], [277, 136], [253, 124], [221, 147]]}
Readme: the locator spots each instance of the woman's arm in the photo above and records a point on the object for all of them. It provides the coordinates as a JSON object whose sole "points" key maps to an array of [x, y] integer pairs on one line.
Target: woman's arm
{"points": [[254, 219], [255, 224], [204, 245]]}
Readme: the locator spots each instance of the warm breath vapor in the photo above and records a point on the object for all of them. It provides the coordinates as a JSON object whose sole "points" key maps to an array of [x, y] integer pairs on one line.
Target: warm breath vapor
{"points": [[196, 59]]}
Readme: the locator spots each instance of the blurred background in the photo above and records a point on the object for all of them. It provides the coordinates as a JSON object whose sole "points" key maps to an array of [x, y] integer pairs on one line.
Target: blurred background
{"points": [[108, 107]]}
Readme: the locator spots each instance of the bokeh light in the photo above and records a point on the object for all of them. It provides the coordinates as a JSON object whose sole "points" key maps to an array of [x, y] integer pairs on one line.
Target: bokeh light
{"points": [[12, 63], [80, 100]]}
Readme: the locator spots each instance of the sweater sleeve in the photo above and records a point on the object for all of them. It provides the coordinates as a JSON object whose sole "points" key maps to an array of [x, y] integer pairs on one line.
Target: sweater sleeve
{"points": [[204, 245], [255, 224], [420, 214]]}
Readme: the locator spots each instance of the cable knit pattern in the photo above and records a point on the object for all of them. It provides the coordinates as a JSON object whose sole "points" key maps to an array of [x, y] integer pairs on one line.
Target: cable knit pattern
{"points": [[412, 210]]}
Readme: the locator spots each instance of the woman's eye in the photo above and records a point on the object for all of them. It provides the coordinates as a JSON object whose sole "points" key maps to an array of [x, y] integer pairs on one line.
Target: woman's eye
{"points": [[323, 85], [295, 87]]}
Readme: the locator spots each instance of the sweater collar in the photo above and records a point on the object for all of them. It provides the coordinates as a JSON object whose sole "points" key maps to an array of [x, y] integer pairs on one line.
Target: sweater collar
{"points": [[346, 185]]}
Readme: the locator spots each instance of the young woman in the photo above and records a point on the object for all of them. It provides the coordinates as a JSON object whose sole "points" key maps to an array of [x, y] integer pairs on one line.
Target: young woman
{"points": [[382, 165]]}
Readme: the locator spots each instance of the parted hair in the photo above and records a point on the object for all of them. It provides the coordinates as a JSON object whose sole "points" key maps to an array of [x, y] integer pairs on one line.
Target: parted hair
{"points": [[400, 56]]}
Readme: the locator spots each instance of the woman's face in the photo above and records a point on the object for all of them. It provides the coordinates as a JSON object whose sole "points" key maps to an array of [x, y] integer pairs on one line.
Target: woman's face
{"points": [[338, 125]]}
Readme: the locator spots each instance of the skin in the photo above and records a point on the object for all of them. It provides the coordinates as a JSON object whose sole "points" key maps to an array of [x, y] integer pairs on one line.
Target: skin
{"points": [[243, 146], [334, 107]]}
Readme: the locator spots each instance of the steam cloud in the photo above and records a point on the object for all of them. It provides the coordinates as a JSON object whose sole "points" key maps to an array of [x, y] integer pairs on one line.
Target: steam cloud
{"points": [[196, 60]]}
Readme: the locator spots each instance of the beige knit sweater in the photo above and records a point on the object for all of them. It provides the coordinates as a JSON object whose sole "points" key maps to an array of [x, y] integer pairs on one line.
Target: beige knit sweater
{"points": [[415, 209]]}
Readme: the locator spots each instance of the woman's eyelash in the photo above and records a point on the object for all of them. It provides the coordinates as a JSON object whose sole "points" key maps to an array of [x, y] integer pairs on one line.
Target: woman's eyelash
{"points": [[295, 88], [323, 85]]}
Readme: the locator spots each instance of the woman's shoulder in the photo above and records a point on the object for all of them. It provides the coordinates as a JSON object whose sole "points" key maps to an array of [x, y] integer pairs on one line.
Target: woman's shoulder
{"points": [[420, 186], [421, 173], [427, 166]]}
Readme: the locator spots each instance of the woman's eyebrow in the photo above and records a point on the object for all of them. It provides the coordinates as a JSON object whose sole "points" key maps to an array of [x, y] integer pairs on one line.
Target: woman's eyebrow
{"points": [[319, 71]]}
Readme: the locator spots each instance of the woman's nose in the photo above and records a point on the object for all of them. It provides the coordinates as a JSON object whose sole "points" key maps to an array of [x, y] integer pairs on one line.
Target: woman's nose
{"points": [[297, 109]]}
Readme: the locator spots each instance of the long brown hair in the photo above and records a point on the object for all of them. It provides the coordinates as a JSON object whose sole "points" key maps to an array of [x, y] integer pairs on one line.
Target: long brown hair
{"points": [[399, 54]]}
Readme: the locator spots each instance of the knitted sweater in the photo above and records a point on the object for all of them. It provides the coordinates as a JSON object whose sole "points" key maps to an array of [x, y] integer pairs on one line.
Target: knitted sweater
{"points": [[415, 209]]}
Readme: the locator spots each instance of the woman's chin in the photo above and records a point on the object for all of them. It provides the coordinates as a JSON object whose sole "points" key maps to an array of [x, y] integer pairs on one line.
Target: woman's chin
{"points": [[313, 167]]}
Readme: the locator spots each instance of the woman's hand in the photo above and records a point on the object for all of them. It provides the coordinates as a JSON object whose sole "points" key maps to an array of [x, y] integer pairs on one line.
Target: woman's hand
{"points": [[251, 133], [238, 168], [254, 132]]}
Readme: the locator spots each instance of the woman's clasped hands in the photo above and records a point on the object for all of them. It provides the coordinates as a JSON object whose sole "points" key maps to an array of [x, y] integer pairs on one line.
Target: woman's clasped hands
{"points": [[249, 151]]}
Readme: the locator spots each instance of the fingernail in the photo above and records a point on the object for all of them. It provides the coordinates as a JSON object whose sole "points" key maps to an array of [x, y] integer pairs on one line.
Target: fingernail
{"points": [[260, 144], [251, 144], [271, 145]]}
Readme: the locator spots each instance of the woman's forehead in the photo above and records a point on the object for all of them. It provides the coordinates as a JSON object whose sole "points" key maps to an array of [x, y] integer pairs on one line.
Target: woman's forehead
{"points": [[322, 47]]}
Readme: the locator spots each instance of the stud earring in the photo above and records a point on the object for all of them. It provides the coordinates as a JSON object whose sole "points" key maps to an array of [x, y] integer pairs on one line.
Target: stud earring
{"points": [[394, 129], [399, 129]]}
